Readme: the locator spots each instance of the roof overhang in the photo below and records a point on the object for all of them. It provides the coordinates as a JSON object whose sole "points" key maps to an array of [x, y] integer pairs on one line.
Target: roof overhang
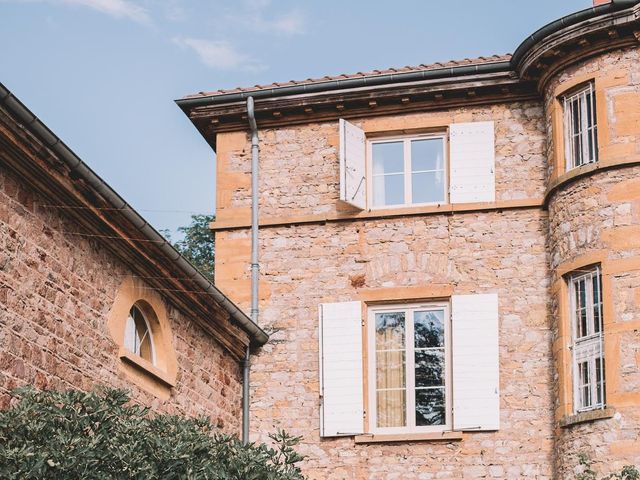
{"points": [[34, 152]]}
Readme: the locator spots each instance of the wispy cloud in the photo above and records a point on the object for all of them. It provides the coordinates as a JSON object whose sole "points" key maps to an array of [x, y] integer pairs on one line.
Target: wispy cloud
{"points": [[256, 16], [220, 55], [175, 11], [115, 8]]}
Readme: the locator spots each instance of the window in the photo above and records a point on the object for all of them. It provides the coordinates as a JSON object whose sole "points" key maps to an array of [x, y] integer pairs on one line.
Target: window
{"points": [[407, 171], [410, 368], [581, 129], [588, 358], [418, 170], [137, 335], [432, 366]]}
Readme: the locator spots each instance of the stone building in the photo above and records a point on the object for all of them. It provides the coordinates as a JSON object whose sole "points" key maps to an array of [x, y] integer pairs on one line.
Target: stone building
{"points": [[91, 295], [449, 256]]}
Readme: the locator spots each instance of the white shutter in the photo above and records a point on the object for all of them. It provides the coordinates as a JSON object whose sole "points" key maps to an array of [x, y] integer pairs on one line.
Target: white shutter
{"points": [[352, 165], [476, 382], [341, 408], [472, 158]]}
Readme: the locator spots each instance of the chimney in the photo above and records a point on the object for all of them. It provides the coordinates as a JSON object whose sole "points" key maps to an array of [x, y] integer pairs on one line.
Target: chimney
{"points": [[600, 2]]}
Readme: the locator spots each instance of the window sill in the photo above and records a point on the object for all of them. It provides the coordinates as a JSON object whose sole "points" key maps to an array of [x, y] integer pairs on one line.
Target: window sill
{"points": [[567, 176], [145, 367], [583, 417], [232, 220], [410, 437]]}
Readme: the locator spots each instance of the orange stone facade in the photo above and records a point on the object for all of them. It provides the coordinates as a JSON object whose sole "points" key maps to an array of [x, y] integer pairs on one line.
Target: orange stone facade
{"points": [[545, 223]]}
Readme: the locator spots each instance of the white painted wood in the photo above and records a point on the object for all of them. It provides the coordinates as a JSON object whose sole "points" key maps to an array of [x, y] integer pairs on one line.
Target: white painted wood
{"points": [[476, 376], [130, 334], [352, 165], [341, 384], [472, 154]]}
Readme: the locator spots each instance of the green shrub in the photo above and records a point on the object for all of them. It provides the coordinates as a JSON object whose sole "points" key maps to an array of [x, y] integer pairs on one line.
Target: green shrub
{"points": [[102, 435], [628, 472]]}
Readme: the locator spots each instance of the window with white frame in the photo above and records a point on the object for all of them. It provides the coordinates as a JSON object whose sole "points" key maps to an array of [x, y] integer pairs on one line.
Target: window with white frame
{"points": [[137, 335], [581, 128], [587, 345], [407, 171], [409, 368], [417, 170]]}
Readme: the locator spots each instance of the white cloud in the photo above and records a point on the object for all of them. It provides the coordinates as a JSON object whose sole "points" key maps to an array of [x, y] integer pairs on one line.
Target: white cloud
{"points": [[291, 23], [254, 16], [115, 8], [220, 55]]}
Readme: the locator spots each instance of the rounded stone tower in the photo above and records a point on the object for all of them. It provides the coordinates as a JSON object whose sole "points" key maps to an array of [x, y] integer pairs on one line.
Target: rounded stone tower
{"points": [[588, 74]]}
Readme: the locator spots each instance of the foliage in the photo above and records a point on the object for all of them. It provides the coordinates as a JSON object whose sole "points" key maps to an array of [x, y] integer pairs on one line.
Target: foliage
{"points": [[628, 472], [101, 435], [197, 244]]}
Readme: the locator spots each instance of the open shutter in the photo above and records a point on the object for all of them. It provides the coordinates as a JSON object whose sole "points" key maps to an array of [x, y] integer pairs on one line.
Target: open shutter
{"points": [[352, 165], [472, 154], [476, 382], [341, 408]]}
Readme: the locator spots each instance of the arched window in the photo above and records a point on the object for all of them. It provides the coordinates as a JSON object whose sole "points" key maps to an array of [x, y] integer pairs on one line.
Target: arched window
{"points": [[137, 335]]}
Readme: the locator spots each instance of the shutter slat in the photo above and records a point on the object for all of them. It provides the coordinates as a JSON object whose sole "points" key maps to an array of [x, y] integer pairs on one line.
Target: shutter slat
{"points": [[476, 377], [352, 165], [472, 152], [341, 383]]}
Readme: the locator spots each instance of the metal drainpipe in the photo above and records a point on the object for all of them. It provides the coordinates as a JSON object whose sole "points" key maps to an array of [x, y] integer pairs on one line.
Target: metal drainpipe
{"points": [[255, 267]]}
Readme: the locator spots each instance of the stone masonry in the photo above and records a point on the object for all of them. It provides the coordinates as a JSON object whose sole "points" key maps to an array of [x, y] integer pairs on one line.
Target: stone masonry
{"points": [[513, 248], [56, 290]]}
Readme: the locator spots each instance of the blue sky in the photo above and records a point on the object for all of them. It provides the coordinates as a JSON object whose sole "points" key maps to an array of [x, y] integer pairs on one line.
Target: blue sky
{"points": [[103, 74]]}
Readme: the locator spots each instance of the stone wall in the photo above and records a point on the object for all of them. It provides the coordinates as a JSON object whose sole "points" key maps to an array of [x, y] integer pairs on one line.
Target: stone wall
{"points": [[303, 265], [299, 168], [56, 291], [595, 218], [589, 215], [308, 265]]}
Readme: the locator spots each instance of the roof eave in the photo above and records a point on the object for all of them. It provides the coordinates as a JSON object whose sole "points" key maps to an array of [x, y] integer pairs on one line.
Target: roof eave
{"points": [[80, 169]]}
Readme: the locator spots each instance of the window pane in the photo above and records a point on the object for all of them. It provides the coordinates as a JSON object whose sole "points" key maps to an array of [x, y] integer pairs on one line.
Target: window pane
{"points": [[388, 190], [428, 329], [430, 407], [390, 370], [427, 154], [390, 331], [584, 387], [130, 334], [142, 337], [597, 305], [429, 368], [577, 131], [427, 187], [600, 381], [587, 99], [391, 408], [581, 308], [388, 157]]}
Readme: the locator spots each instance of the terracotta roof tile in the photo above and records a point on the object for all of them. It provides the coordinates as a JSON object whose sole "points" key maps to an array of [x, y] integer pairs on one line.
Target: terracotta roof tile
{"points": [[408, 68]]}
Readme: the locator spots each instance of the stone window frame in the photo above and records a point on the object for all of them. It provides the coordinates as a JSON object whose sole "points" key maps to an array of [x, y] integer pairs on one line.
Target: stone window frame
{"points": [[371, 392], [565, 413], [386, 296], [587, 347], [157, 377], [584, 96], [609, 154]]}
